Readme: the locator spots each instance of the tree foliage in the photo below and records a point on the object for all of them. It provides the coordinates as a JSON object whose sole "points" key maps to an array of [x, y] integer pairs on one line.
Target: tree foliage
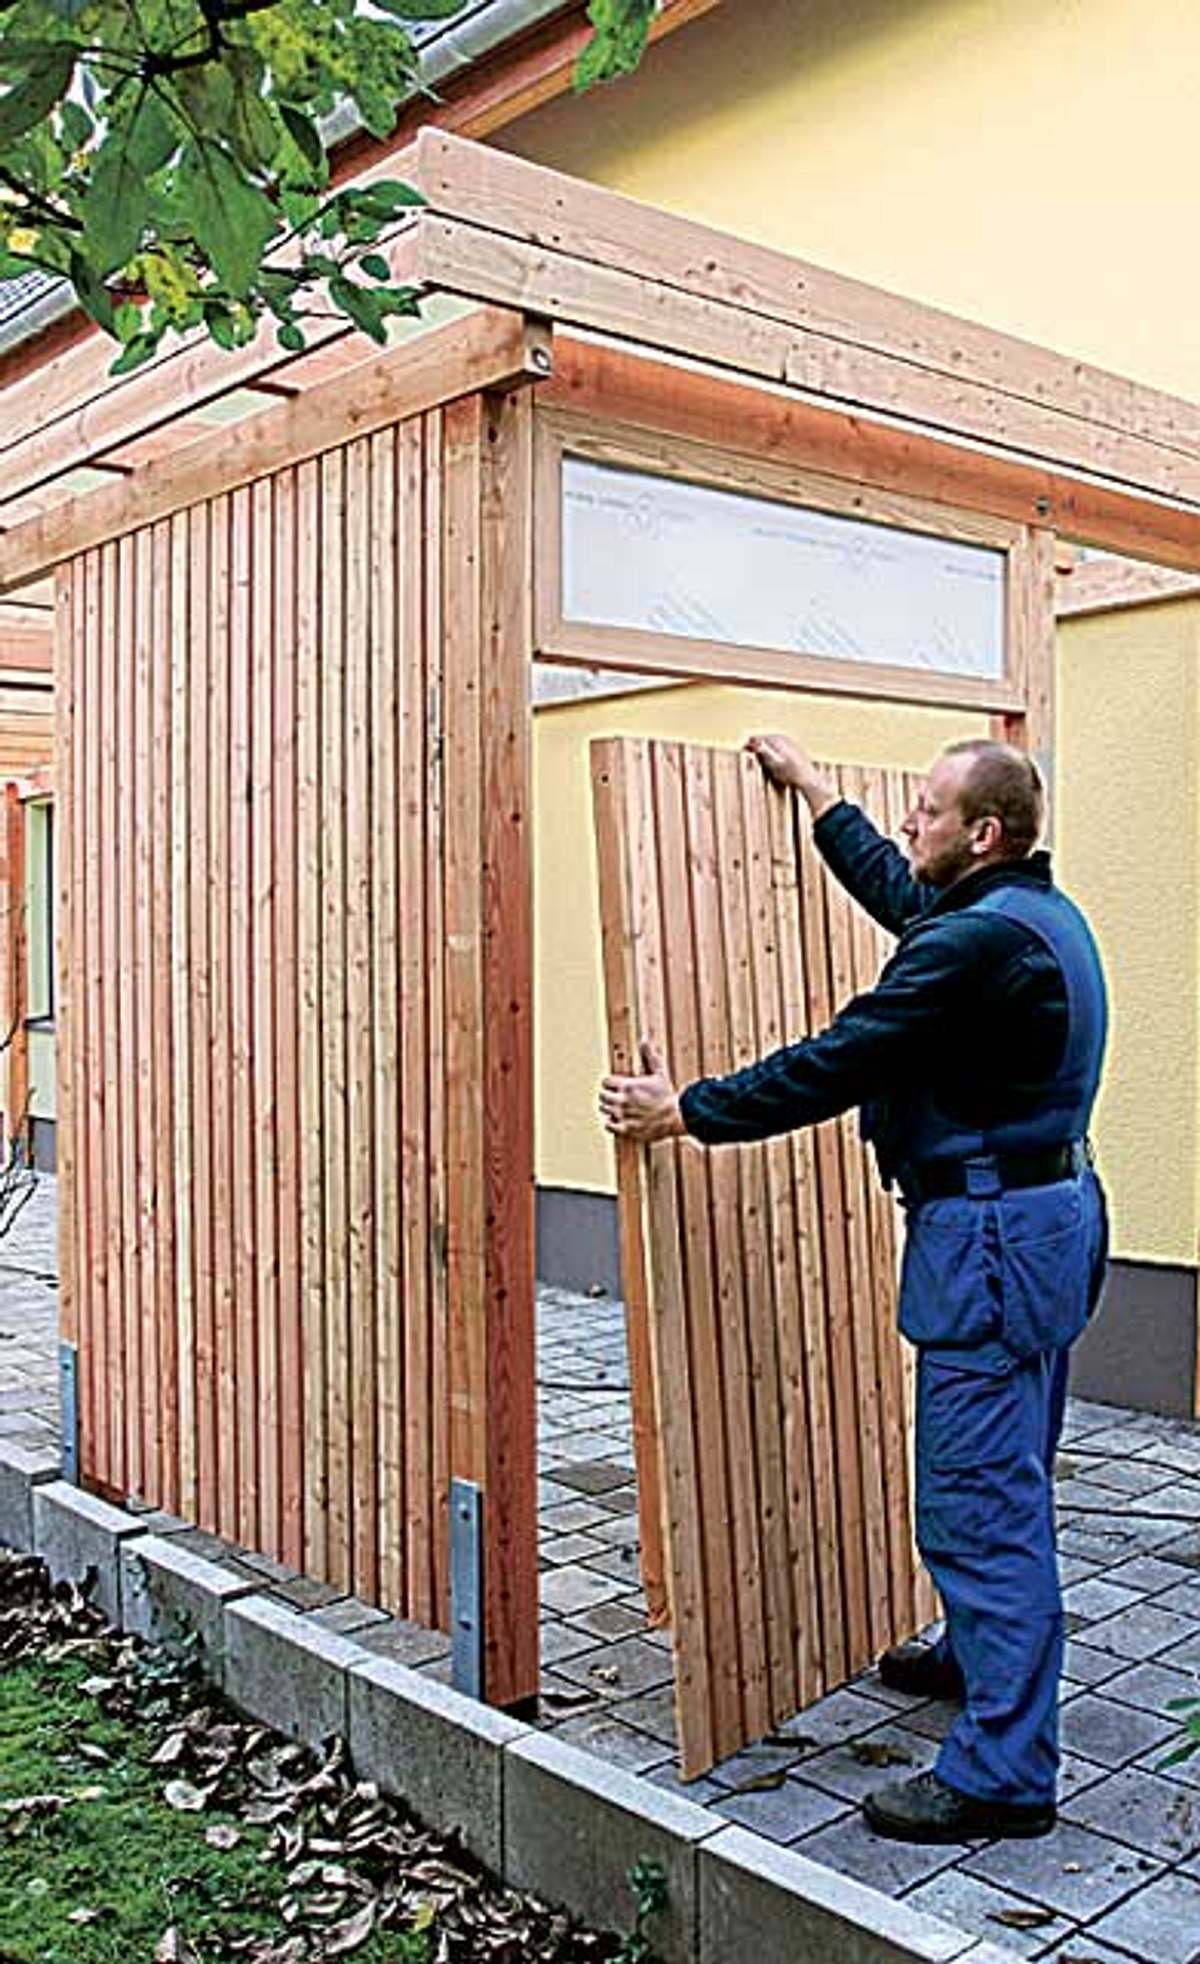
{"points": [[167, 157]]}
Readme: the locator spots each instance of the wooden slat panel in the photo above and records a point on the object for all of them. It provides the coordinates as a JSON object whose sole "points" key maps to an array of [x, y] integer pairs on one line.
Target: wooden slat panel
{"points": [[770, 1272], [300, 890], [17, 972], [68, 953]]}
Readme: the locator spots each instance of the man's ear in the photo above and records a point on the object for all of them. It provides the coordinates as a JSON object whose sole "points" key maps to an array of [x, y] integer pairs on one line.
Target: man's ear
{"points": [[989, 835]]}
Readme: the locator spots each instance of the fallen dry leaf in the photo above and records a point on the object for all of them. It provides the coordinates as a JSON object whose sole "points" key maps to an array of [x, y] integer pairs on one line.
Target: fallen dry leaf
{"points": [[1021, 1919], [184, 1797], [341, 1938], [222, 1834]]}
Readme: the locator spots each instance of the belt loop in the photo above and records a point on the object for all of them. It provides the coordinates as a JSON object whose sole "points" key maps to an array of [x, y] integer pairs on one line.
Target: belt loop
{"points": [[982, 1177]]}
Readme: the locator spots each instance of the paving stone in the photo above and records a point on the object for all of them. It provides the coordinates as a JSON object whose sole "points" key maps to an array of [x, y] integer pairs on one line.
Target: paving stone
{"points": [[782, 1813], [619, 1563], [169, 1595], [1131, 1476], [1110, 1733], [560, 1548], [1148, 1573], [573, 1829], [302, 1592], [404, 1643], [619, 1500], [1160, 1924], [348, 1616], [1075, 1774], [561, 1640], [1072, 1870], [701, 1790], [1142, 1632], [1094, 1600], [613, 1742], [593, 1476], [21, 1469], [1149, 1687], [285, 1670], [933, 1721], [851, 1774], [619, 1530], [1082, 1949], [1083, 1665], [1182, 1656], [763, 1758], [777, 1906], [441, 1753], [1180, 1453], [608, 1621], [1152, 1815], [1183, 1599], [890, 1866], [77, 1536], [637, 1667], [570, 1589], [569, 1516], [653, 1712], [975, 1905], [842, 1715]]}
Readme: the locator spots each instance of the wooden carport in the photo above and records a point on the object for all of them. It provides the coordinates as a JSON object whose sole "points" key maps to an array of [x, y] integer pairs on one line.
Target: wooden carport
{"points": [[293, 663]]}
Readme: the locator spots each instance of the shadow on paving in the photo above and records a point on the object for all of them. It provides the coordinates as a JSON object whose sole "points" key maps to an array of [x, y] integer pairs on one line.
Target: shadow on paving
{"points": [[1119, 1879]]}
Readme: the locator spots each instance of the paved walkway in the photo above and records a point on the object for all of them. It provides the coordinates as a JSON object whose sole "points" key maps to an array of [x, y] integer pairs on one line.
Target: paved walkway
{"points": [[1120, 1877]]}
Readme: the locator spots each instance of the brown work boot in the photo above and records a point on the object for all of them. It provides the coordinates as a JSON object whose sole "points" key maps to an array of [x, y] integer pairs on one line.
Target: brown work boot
{"points": [[921, 1669], [926, 1809]]}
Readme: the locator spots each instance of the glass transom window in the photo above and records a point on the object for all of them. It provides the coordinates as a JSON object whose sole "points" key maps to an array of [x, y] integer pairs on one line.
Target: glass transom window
{"points": [[664, 556]]}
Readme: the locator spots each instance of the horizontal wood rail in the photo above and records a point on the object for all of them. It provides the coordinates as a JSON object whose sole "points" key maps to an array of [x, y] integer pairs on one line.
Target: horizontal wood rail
{"points": [[586, 254], [489, 348]]}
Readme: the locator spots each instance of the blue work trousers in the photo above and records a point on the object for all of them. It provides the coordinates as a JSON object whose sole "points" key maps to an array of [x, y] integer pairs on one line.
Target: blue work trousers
{"points": [[985, 1527]]}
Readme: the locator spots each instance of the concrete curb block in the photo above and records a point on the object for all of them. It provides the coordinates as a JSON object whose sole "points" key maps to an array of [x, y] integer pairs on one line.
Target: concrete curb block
{"points": [[22, 1468], [441, 1752], [286, 1671], [75, 1534], [574, 1827], [167, 1593], [541, 1814], [775, 1905]]}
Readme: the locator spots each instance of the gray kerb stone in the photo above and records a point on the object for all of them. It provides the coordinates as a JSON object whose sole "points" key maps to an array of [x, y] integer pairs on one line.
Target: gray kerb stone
{"points": [[775, 1906], [573, 1828], [169, 1594], [22, 1468], [287, 1671], [439, 1752], [76, 1535]]}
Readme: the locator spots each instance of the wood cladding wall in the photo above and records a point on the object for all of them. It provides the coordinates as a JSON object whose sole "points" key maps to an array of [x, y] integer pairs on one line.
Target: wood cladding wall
{"points": [[771, 1396], [295, 1128]]}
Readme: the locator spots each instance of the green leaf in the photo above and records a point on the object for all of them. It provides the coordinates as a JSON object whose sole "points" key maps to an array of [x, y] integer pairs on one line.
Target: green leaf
{"points": [[134, 353], [219, 322], [77, 126], [420, 9], [291, 337], [127, 321], [31, 98], [231, 219], [361, 306], [304, 135], [115, 203], [376, 265], [93, 295]]}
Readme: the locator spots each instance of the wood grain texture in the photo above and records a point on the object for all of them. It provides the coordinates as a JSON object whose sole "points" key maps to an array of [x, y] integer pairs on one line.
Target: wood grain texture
{"points": [[779, 1442]]}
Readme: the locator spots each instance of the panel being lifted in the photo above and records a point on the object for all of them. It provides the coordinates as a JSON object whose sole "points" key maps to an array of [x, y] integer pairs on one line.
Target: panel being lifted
{"points": [[772, 1407]]}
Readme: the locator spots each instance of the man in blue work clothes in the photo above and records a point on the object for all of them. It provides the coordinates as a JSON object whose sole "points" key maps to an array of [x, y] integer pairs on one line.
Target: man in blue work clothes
{"points": [[975, 1060]]}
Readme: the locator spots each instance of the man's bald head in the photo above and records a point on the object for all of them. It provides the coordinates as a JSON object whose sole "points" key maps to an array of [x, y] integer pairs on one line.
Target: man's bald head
{"points": [[999, 781]]}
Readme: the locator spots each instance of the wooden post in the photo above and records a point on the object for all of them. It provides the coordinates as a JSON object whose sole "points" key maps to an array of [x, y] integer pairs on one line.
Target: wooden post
{"points": [[17, 967]]}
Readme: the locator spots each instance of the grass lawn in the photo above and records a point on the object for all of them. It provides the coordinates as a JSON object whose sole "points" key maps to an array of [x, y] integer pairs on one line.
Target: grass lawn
{"points": [[95, 1866]]}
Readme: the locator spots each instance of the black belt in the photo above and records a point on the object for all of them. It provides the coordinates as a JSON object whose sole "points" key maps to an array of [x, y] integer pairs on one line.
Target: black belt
{"points": [[991, 1173]]}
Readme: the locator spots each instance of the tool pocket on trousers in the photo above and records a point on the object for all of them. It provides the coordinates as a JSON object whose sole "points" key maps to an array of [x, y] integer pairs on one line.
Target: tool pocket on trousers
{"points": [[1045, 1266], [949, 1282]]}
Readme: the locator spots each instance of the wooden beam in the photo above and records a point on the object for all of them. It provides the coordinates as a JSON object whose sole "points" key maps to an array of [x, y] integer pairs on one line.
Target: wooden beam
{"points": [[489, 348], [626, 388], [1100, 586], [845, 338]]}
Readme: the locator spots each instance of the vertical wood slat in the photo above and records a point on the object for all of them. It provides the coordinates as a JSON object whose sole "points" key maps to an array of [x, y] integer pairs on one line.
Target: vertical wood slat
{"points": [[239, 901], [506, 582], [92, 1266], [146, 1311], [229, 1509], [171, 965], [271, 1419], [287, 1020], [67, 953], [194, 993], [309, 806], [828, 1448]]}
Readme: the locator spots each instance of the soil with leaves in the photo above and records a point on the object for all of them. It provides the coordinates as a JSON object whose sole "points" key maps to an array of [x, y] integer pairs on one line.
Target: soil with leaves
{"points": [[142, 1818]]}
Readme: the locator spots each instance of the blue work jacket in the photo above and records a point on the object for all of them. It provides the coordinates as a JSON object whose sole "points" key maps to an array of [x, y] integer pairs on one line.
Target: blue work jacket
{"points": [[984, 1035]]}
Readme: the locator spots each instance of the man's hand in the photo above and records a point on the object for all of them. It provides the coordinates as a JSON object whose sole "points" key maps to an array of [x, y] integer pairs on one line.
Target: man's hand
{"points": [[643, 1108], [786, 763]]}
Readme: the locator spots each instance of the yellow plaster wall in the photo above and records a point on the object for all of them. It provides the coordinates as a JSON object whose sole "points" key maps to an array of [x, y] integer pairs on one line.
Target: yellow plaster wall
{"points": [[571, 1052], [1128, 848], [1026, 165]]}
